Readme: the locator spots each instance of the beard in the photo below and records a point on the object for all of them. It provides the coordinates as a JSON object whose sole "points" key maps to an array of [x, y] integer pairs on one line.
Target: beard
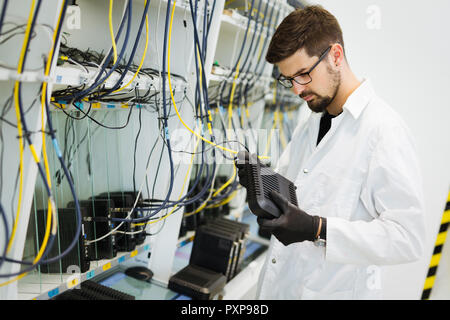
{"points": [[320, 103]]}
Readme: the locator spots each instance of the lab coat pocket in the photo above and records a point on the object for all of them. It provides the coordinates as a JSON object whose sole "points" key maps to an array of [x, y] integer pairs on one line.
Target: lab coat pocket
{"points": [[330, 281], [337, 194], [309, 294]]}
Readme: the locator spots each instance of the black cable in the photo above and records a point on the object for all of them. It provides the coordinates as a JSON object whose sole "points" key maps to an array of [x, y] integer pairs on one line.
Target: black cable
{"points": [[165, 122], [77, 208], [5, 222], [240, 52], [3, 14], [205, 187], [86, 114], [128, 17], [244, 64], [135, 148], [132, 54]]}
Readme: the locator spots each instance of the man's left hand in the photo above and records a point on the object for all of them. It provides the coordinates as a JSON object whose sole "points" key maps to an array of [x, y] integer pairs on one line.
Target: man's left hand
{"points": [[293, 225]]}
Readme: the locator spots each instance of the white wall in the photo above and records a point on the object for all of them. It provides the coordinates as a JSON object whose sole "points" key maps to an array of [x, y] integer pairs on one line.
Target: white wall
{"points": [[403, 47]]}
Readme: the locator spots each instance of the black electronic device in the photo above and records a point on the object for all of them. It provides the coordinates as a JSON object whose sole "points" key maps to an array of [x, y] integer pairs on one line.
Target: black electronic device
{"points": [[90, 290], [197, 282], [99, 212], [79, 255], [244, 228], [239, 238], [261, 180], [139, 237], [123, 200], [139, 273], [125, 239], [214, 249]]}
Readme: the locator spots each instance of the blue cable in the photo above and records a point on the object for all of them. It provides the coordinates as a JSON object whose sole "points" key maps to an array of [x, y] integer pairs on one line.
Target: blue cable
{"points": [[5, 222], [83, 93], [2, 14], [206, 186], [240, 51], [133, 52], [77, 208]]}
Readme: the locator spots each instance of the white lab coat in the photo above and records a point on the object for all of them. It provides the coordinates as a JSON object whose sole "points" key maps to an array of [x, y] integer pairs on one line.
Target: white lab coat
{"points": [[364, 177]]}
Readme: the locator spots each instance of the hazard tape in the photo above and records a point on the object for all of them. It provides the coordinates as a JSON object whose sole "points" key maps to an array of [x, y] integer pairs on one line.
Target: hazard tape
{"points": [[437, 252]]}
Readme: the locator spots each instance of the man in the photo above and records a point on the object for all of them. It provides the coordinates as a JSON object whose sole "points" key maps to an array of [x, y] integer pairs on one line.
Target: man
{"points": [[355, 167]]}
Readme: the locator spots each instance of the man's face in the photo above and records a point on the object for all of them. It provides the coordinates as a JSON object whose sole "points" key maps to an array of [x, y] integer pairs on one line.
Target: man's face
{"points": [[320, 92]]}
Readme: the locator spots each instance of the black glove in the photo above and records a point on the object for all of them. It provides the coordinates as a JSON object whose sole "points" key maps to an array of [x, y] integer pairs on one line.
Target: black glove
{"points": [[293, 225], [243, 158]]}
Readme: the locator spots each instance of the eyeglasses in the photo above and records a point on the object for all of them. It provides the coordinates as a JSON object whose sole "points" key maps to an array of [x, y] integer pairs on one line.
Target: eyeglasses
{"points": [[302, 78]]}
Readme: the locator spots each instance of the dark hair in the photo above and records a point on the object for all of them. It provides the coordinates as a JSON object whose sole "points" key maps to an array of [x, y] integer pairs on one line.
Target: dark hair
{"points": [[312, 28]]}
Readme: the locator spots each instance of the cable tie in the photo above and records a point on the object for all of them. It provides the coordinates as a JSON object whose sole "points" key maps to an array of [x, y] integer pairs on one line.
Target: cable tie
{"points": [[25, 135]]}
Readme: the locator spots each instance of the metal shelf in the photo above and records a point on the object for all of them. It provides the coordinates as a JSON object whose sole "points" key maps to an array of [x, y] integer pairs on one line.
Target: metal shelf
{"points": [[40, 286]]}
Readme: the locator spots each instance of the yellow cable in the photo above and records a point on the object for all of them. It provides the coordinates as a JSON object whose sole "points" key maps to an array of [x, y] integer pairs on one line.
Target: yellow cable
{"points": [[49, 214], [224, 201], [182, 188], [203, 205], [111, 31], [275, 120], [269, 140], [226, 183], [233, 87], [261, 42], [143, 56], [274, 98], [178, 113], [253, 11], [228, 2], [230, 115], [280, 124], [19, 125], [198, 140]]}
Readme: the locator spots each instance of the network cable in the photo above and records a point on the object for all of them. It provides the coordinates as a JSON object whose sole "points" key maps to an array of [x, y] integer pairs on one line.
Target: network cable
{"points": [[139, 219], [39, 259], [233, 69], [21, 122], [5, 223], [99, 80], [3, 14], [132, 54], [167, 137]]}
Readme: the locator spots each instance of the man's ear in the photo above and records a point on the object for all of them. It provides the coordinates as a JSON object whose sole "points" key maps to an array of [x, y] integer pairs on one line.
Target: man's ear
{"points": [[337, 54]]}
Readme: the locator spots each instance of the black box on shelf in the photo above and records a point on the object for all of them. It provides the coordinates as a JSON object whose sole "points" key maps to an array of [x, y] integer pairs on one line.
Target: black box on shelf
{"points": [[215, 225], [242, 230], [99, 212], [123, 241], [79, 255], [90, 290], [126, 199], [214, 249], [122, 199], [197, 282], [139, 237]]}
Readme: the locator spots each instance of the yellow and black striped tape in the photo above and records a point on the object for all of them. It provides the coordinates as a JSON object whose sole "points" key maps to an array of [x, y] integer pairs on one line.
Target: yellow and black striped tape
{"points": [[437, 252]]}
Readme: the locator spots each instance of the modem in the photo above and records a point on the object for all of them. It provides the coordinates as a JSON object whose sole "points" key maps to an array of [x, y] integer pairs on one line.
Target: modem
{"points": [[261, 180]]}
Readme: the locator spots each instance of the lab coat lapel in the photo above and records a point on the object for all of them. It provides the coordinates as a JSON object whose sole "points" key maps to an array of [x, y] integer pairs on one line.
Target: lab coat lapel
{"points": [[314, 132]]}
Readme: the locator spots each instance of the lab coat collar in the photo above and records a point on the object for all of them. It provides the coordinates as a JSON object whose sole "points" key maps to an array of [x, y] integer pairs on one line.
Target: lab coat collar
{"points": [[359, 98]]}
